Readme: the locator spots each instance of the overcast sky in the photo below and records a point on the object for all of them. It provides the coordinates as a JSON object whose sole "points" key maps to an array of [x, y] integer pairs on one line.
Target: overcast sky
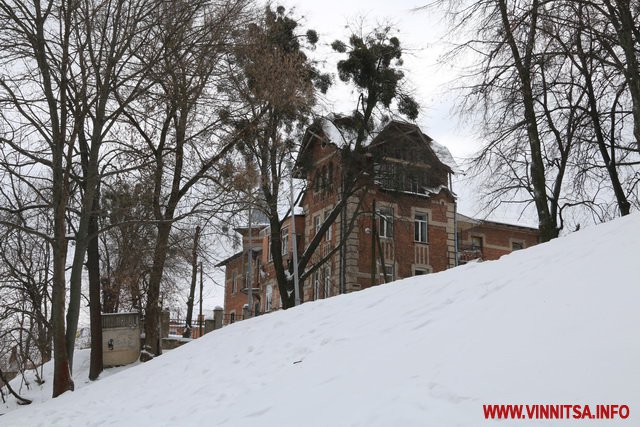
{"points": [[425, 36]]}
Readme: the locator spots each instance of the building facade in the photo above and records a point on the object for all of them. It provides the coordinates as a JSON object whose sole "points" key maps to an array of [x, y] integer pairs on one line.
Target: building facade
{"points": [[400, 222]]}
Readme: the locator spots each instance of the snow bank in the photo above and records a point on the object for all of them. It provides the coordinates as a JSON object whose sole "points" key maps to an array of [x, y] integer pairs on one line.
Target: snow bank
{"points": [[552, 324], [28, 387]]}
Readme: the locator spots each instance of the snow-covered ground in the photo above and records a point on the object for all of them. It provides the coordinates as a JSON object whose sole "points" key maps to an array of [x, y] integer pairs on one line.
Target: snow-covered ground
{"points": [[554, 324], [28, 387]]}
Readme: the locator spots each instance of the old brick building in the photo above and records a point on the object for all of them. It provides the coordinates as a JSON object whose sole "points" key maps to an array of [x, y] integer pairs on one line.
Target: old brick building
{"points": [[489, 240], [401, 222]]}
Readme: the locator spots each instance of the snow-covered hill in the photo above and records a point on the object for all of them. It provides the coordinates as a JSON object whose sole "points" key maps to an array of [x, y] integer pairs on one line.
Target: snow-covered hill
{"points": [[554, 324]]}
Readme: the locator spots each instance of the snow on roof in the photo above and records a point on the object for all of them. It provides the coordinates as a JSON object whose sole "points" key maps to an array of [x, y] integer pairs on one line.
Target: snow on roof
{"points": [[444, 155], [545, 324], [341, 136]]}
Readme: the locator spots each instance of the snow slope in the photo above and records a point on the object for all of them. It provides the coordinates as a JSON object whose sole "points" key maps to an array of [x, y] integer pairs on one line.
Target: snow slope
{"points": [[30, 389], [553, 324]]}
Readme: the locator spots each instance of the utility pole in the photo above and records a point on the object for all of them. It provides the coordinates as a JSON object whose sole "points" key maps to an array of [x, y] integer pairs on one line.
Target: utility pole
{"points": [[294, 240], [374, 231], [192, 290], [249, 269], [200, 318]]}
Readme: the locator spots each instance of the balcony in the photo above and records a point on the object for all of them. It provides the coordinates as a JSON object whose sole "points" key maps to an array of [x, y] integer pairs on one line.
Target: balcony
{"points": [[469, 253]]}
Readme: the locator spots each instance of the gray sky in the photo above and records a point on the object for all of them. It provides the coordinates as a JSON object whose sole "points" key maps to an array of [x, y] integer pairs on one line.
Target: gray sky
{"points": [[424, 34]]}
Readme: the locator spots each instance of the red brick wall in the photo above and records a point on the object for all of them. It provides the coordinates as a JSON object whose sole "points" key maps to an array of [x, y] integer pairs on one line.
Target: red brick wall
{"points": [[403, 247], [496, 238]]}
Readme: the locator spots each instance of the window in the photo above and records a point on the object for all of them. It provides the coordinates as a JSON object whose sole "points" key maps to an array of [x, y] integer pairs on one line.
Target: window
{"points": [[316, 285], [284, 239], [327, 282], [269, 298], [270, 256], [420, 271], [386, 174], [413, 184], [232, 317], [388, 269], [385, 222], [234, 282], [476, 243], [330, 176], [327, 235], [316, 223], [516, 246], [420, 227]]}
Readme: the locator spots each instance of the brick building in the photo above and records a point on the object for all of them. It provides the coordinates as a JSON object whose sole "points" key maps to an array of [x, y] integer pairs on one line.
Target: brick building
{"points": [[401, 222], [489, 240]]}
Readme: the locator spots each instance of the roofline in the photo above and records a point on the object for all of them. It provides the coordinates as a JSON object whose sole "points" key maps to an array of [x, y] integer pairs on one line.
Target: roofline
{"points": [[227, 260], [423, 136], [497, 223]]}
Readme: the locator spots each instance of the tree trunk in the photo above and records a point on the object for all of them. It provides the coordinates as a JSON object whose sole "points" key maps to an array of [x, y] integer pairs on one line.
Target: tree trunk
{"points": [[95, 311], [62, 381], [621, 198], [152, 309], [523, 62], [625, 26], [192, 291]]}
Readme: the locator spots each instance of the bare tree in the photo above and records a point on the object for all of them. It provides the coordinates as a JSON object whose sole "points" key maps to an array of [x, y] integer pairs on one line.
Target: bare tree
{"points": [[38, 125], [543, 91], [178, 125], [277, 84]]}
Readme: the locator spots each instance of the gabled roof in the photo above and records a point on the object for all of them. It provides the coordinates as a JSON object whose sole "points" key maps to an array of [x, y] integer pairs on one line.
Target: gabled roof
{"points": [[335, 131], [402, 129]]}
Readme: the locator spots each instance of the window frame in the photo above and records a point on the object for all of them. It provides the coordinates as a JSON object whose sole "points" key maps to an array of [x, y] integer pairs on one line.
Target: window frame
{"points": [[284, 240], [268, 298], [329, 233], [474, 246], [234, 282], [316, 224], [316, 285], [424, 271], [420, 227], [326, 273], [385, 222], [390, 269]]}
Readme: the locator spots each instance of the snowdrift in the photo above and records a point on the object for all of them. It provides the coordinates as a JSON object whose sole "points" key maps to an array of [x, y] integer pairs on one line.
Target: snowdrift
{"points": [[553, 324]]}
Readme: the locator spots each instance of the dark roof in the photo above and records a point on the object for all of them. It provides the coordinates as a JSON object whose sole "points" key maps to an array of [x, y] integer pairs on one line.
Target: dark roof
{"points": [[228, 260], [329, 129], [480, 222]]}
